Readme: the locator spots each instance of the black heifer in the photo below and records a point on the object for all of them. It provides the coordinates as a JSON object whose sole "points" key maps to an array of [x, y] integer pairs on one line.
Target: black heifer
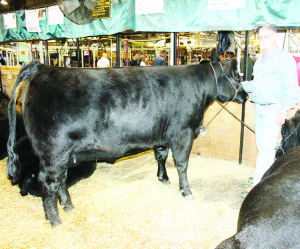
{"points": [[270, 215], [118, 112], [290, 132]]}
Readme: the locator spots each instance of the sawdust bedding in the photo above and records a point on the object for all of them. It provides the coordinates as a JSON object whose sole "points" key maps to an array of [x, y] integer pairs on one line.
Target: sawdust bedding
{"points": [[123, 205]]}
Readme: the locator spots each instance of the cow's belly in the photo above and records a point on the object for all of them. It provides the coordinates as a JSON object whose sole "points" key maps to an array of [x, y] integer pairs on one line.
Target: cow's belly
{"points": [[105, 156]]}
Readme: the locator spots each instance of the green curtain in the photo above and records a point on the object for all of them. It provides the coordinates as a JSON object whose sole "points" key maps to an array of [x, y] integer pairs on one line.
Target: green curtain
{"points": [[177, 16]]}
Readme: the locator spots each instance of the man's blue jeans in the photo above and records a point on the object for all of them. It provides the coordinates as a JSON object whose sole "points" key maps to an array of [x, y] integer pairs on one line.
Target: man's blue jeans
{"points": [[266, 133]]}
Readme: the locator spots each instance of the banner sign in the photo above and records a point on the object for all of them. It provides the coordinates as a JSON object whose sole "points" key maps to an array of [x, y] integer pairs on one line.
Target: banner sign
{"points": [[102, 9]]}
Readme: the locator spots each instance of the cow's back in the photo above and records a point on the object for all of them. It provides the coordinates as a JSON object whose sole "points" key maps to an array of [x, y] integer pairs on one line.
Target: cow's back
{"points": [[269, 216], [143, 107]]}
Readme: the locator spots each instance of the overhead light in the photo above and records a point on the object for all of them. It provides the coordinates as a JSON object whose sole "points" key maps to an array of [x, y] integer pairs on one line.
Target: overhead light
{"points": [[3, 2]]}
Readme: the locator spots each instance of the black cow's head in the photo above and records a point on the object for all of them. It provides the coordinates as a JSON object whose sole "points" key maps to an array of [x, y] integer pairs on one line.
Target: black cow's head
{"points": [[229, 82], [290, 132]]}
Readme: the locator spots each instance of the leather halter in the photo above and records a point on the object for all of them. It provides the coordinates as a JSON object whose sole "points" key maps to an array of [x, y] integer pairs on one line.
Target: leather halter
{"points": [[236, 90]]}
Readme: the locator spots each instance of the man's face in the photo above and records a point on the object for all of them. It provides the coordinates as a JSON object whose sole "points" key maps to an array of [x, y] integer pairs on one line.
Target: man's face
{"points": [[266, 38]]}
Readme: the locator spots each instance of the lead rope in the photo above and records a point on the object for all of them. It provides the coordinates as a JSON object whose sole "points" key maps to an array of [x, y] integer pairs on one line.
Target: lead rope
{"points": [[203, 130], [215, 76]]}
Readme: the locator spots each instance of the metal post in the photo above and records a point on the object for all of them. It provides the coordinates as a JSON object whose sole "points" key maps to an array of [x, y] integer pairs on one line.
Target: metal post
{"points": [[111, 52], [126, 56], [94, 58], [118, 51], [47, 55], [89, 57], [178, 51], [1, 87], [41, 53], [78, 52], [82, 56], [173, 47], [244, 104]]}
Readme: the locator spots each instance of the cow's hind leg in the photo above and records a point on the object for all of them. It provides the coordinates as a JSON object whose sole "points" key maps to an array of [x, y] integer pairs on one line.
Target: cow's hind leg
{"points": [[50, 180], [161, 154], [181, 149], [64, 196]]}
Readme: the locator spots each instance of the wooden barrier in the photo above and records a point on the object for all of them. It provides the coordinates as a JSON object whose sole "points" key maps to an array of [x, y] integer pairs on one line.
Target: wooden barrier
{"points": [[9, 75], [223, 134]]}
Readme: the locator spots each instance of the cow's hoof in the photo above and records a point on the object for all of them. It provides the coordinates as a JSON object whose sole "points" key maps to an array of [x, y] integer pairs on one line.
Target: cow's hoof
{"points": [[23, 192], [164, 181], [68, 208], [55, 223], [188, 197]]}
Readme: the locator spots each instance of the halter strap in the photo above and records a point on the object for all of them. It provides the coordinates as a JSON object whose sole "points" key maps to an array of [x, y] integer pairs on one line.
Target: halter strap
{"points": [[236, 90], [215, 76]]}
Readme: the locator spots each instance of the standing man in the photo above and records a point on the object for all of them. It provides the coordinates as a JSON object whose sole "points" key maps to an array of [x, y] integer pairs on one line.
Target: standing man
{"points": [[134, 60], [160, 60], [2, 59], [140, 53], [103, 62], [274, 90], [68, 62]]}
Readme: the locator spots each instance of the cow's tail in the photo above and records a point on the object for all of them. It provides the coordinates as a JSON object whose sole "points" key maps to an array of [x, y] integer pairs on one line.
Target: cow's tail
{"points": [[13, 163]]}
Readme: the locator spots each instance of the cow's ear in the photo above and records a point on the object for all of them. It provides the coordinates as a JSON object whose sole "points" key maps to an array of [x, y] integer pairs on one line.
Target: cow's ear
{"points": [[290, 124], [233, 65], [214, 57], [297, 113]]}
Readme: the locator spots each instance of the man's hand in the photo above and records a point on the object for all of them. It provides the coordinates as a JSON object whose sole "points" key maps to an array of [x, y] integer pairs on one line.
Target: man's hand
{"points": [[281, 118]]}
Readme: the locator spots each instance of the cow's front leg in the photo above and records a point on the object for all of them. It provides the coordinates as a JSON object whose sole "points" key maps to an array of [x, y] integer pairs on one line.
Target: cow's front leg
{"points": [[64, 196], [161, 154], [184, 186], [49, 184], [181, 151]]}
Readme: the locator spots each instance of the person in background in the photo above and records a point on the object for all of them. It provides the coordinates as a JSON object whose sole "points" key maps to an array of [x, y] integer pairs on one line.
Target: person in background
{"points": [[195, 59], [134, 60], [2, 59], [103, 62], [55, 62], [250, 65], [68, 62], [140, 56], [274, 90], [160, 60], [144, 61]]}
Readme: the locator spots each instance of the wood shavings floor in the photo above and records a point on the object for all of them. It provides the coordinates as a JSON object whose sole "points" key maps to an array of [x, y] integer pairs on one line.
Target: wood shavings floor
{"points": [[123, 205]]}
